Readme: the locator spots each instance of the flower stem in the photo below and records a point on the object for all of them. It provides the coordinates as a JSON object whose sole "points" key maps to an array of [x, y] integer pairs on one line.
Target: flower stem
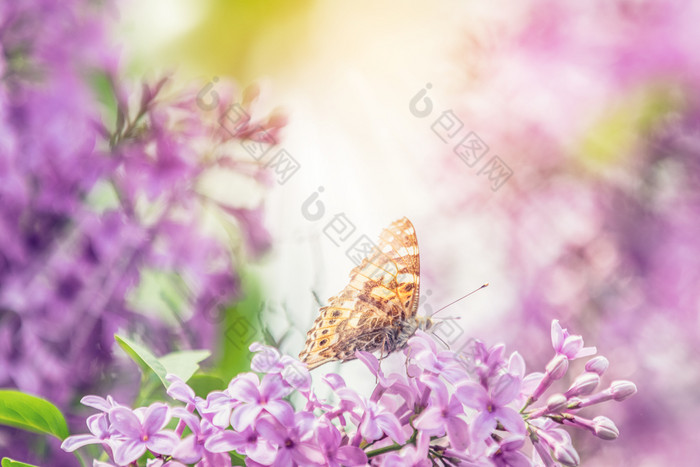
{"points": [[393, 447], [385, 449]]}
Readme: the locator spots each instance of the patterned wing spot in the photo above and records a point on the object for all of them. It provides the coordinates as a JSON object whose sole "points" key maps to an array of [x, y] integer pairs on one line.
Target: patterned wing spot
{"points": [[404, 278], [383, 293]]}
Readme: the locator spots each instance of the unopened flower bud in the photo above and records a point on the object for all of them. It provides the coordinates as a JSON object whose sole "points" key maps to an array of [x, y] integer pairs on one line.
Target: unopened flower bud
{"points": [[583, 385], [557, 403], [597, 365], [543, 452], [566, 454], [621, 390], [574, 403], [604, 428], [557, 367]]}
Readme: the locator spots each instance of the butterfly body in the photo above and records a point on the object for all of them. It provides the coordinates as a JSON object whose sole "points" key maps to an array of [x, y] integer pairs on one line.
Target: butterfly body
{"points": [[376, 311]]}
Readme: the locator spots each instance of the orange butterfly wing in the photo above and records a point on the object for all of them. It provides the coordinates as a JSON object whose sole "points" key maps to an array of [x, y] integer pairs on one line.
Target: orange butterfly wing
{"points": [[370, 312]]}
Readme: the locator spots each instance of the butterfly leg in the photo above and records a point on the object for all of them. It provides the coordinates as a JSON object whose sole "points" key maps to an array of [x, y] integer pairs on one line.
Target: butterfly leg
{"points": [[408, 356], [382, 356]]}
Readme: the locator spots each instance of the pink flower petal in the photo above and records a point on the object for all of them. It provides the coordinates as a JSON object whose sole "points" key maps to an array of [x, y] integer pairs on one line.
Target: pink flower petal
{"points": [[272, 432], [516, 365], [272, 387], [472, 395], [125, 422], [187, 450], [351, 456], [505, 389], [96, 402], [307, 454], [98, 425], [511, 420], [191, 420], [225, 441], [243, 389], [74, 442], [156, 417], [557, 335], [262, 452], [438, 391], [571, 346], [244, 416], [431, 420], [369, 428], [334, 380], [128, 451], [369, 360], [483, 425], [281, 410], [457, 432], [351, 396], [179, 390], [391, 426], [162, 442], [586, 352]]}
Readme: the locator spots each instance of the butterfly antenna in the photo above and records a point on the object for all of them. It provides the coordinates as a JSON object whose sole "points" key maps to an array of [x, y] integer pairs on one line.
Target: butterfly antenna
{"points": [[318, 300], [461, 298], [441, 340]]}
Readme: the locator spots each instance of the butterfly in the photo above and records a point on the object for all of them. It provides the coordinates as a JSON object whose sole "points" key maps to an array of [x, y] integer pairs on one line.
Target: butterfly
{"points": [[377, 309]]}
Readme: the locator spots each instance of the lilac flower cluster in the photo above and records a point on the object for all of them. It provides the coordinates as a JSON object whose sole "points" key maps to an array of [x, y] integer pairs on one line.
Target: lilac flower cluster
{"points": [[603, 207], [95, 198], [447, 408]]}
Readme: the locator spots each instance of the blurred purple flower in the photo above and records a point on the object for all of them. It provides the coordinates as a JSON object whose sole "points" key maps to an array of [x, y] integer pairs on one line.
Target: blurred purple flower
{"points": [[95, 200]]}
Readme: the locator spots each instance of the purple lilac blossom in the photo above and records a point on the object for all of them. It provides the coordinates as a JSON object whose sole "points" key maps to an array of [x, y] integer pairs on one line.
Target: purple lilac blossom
{"points": [[478, 416], [95, 199], [602, 208]]}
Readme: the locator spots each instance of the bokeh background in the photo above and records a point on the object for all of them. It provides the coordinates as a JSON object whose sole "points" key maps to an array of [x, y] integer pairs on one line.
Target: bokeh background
{"points": [[551, 149]]}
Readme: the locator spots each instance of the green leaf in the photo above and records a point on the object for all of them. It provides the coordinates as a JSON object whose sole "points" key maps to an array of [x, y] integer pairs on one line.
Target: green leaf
{"points": [[143, 357], [237, 459], [7, 462], [103, 90], [204, 384], [183, 363], [31, 413], [160, 294], [240, 326]]}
